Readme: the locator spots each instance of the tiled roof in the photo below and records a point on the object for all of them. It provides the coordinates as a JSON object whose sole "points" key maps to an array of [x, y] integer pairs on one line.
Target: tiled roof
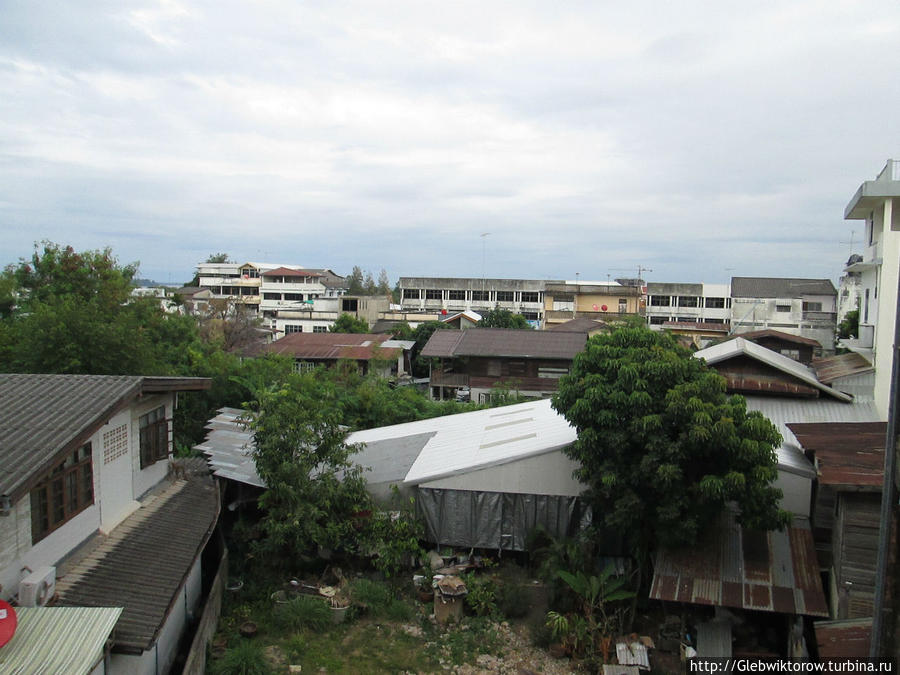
{"points": [[145, 561], [506, 342], [847, 453], [773, 287], [333, 346], [44, 416], [764, 571]]}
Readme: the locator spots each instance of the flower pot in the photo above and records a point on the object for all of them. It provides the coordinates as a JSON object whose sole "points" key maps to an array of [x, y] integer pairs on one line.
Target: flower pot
{"points": [[338, 614], [248, 629]]}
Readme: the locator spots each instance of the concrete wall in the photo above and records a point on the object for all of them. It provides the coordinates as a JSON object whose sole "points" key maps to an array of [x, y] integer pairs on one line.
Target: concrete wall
{"points": [[112, 471]]}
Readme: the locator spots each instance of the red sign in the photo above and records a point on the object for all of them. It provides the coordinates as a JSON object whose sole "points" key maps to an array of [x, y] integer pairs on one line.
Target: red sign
{"points": [[8, 622]]}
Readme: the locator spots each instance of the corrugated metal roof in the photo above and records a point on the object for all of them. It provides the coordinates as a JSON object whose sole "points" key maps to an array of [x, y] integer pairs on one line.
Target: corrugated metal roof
{"points": [[70, 640], [581, 324], [333, 346], [43, 416], [835, 367], [847, 453], [287, 272], [741, 347], [774, 287], [847, 639], [696, 326], [763, 571], [484, 438], [145, 560], [755, 335], [228, 447], [506, 342]]}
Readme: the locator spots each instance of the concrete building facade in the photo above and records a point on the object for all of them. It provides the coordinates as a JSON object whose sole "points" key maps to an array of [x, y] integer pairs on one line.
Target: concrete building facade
{"points": [[688, 303]]}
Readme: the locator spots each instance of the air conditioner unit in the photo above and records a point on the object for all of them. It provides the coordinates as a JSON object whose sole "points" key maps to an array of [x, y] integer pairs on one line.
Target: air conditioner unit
{"points": [[37, 588]]}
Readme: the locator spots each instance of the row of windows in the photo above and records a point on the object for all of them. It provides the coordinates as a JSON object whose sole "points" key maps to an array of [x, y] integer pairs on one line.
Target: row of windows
{"points": [[298, 328], [297, 297], [659, 320], [473, 296], [689, 301]]}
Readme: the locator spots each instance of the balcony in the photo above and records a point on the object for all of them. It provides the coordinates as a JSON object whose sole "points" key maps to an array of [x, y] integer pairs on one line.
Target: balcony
{"points": [[440, 378]]}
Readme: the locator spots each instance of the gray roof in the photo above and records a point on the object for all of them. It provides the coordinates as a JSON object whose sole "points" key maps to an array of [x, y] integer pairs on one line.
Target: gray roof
{"points": [[506, 342], [774, 287], [45, 416], [144, 562]]}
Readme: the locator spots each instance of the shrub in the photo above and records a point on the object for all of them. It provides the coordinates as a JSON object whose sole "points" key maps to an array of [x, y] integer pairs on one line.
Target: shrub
{"points": [[303, 612], [514, 601], [370, 595], [482, 596], [246, 658], [398, 610]]}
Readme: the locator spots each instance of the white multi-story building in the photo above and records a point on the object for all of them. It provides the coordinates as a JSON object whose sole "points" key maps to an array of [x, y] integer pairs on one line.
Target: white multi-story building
{"points": [[879, 271], [435, 294], [688, 303]]}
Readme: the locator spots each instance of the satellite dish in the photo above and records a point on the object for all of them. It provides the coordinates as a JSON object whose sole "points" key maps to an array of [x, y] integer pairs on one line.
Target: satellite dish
{"points": [[8, 622]]}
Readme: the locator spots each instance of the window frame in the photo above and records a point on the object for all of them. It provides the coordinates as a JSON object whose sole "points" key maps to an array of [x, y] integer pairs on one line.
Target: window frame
{"points": [[153, 437], [56, 486]]}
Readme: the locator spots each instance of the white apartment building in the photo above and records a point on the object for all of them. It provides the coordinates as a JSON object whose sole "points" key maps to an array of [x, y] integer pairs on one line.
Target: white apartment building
{"points": [[435, 294], [688, 303], [878, 271], [804, 307]]}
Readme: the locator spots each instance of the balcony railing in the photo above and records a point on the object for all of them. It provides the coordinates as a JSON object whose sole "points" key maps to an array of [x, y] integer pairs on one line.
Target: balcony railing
{"points": [[441, 378]]}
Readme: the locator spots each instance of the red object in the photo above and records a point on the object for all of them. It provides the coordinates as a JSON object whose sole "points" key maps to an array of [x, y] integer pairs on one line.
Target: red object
{"points": [[444, 311], [595, 308], [8, 622], [603, 308]]}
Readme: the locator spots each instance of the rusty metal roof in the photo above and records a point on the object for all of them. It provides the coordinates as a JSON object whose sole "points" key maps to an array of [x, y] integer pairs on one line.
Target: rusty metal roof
{"points": [[755, 335], [145, 561], [333, 346], [847, 453], [835, 367], [581, 324], [697, 326], [733, 567], [847, 639], [44, 416], [505, 342]]}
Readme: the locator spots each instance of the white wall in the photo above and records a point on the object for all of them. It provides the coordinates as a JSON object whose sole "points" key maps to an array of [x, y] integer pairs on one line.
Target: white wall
{"points": [[114, 469], [547, 474]]}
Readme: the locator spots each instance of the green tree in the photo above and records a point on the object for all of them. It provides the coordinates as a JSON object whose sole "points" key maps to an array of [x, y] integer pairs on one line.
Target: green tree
{"points": [[502, 318], [355, 281], [662, 448], [369, 287], [218, 258], [384, 284], [313, 490], [421, 335], [849, 326], [347, 323]]}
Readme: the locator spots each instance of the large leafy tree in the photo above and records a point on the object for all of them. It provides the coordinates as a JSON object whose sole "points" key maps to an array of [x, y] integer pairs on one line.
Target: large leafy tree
{"points": [[503, 318], [662, 448], [314, 492], [347, 323]]}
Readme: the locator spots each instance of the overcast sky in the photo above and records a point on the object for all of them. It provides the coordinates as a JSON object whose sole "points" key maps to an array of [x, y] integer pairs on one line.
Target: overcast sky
{"points": [[702, 140]]}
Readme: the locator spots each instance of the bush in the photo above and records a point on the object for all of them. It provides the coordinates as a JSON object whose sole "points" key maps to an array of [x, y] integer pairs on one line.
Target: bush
{"points": [[482, 596], [370, 596], [245, 659], [303, 612], [514, 601], [398, 610]]}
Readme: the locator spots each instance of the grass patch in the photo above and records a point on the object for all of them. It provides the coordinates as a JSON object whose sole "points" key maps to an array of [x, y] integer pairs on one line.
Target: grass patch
{"points": [[303, 612], [246, 658]]}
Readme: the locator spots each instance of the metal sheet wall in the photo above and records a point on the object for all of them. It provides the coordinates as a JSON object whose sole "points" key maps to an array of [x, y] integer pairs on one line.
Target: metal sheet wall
{"points": [[498, 520]]}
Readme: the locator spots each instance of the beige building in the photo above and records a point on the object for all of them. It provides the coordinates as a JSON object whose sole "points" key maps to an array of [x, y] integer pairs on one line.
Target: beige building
{"points": [[598, 300]]}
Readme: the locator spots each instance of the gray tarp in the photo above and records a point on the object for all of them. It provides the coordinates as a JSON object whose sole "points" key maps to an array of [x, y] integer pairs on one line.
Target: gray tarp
{"points": [[499, 520]]}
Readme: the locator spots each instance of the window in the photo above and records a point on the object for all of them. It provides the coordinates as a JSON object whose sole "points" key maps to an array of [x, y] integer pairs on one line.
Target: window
{"points": [[292, 328], [271, 296], [714, 320], [154, 430], [320, 329], [410, 293], [658, 320], [504, 296], [304, 366], [715, 303], [432, 294], [530, 296], [791, 353], [456, 295], [294, 296], [688, 301], [349, 305], [530, 316], [480, 296], [623, 305], [660, 301], [552, 372], [782, 308], [66, 491], [250, 273], [515, 367], [812, 306]]}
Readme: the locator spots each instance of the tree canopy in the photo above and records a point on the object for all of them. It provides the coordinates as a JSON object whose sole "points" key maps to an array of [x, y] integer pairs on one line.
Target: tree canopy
{"points": [[661, 446], [502, 318], [347, 323]]}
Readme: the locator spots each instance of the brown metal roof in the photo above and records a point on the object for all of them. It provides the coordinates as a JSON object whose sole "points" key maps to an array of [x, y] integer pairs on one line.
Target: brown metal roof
{"points": [[581, 324], [847, 453], [835, 367], [775, 287], [287, 272], [755, 335], [45, 416], [506, 342], [763, 571], [697, 325], [848, 639], [333, 346], [144, 562]]}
